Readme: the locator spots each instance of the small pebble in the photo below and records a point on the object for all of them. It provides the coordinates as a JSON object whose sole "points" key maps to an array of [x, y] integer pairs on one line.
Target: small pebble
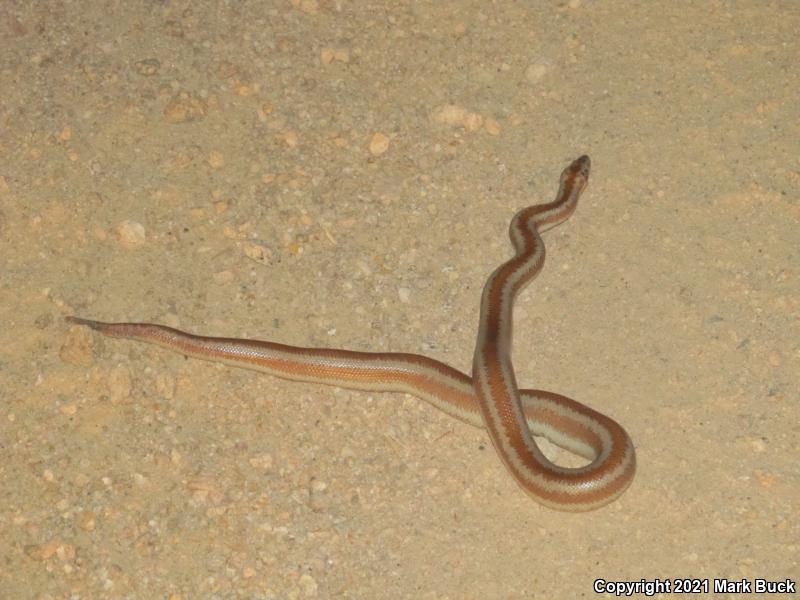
{"points": [[68, 409], [88, 521], [262, 462], [206, 489], [148, 67], [379, 144], [310, 7], [216, 160], [454, 115], [65, 552], [308, 585], [257, 252], [185, 108], [290, 138], [130, 234], [492, 127], [223, 277], [472, 122], [326, 56], [535, 72], [450, 114]]}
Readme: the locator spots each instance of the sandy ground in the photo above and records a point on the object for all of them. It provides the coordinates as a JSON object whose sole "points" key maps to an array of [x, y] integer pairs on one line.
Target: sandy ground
{"points": [[329, 173]]}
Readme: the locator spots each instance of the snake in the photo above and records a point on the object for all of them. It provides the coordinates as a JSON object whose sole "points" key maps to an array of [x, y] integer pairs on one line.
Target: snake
{"points": [[489, 399]]}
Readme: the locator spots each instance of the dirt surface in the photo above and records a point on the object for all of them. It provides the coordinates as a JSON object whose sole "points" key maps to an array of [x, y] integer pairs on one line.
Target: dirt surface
{"points": [[328, 173]]}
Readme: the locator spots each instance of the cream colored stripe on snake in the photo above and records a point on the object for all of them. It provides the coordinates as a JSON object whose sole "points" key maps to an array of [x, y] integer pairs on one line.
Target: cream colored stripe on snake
{"points": [[490, 399]]}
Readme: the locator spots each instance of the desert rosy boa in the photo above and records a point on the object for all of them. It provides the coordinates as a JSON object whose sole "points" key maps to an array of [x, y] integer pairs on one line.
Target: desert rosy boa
{"points": [[490, 399]]}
